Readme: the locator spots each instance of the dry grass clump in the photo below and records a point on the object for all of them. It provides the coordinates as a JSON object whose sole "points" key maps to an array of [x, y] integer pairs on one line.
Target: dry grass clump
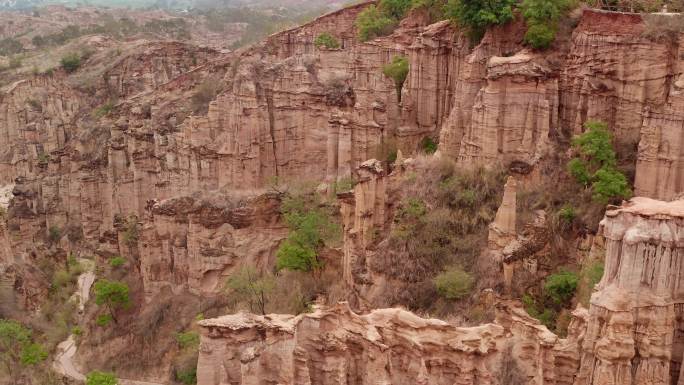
{"points": [[662, 26]]}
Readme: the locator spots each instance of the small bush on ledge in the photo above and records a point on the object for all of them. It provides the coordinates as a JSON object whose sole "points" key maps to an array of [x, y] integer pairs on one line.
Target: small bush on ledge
{"points": [[326, 40]]}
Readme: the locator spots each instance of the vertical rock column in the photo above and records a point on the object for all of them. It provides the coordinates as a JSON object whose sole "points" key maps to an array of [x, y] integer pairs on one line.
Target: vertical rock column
{"points": [[502, 231], [363, 210], [634, 328]]}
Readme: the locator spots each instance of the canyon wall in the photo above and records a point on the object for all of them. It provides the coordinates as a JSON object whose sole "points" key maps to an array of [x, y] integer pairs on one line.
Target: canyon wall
{"points": [[173, 174], [389, 346], [191, 119], [634, 326], [630, 334]]}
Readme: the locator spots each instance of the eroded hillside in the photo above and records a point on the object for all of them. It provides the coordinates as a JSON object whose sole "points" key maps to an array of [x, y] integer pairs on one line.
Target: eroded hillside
{"points": [[300, 171]]}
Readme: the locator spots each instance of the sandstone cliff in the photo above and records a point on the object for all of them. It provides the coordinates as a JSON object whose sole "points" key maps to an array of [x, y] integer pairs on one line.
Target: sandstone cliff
{"points": [[172, 174], [389, 346], [629, 335]]}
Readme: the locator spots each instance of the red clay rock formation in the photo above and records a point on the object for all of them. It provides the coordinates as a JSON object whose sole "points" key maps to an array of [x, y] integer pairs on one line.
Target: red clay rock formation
{"points": [[633, 328], [194, 243], [391, 346], [628, 336]]}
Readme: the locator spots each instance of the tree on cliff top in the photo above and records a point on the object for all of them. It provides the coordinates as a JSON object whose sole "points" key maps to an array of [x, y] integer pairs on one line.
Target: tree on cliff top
{"points": [[596, 164], [372, 23], [17, 349], [477, 15]]}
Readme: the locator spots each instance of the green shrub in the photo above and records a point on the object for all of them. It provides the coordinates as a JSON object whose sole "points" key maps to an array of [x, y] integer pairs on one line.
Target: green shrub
{"points": [[428, 145], [326, 40], [117, 262], [454, 283], [413, 208], [33, 354], [310, 229], [397, 70], [561, 287], [54, 234], [372, 23], [187, 377], [10, 46], [540, 36], [100, 378], [567, 214], [546, 316], [477, 15], [103, 320], [130, 234], [594, 273], [204, 94], [596, 164], [77, 331], [62, 278], [188, 340], [104, 110], [71, 62]]}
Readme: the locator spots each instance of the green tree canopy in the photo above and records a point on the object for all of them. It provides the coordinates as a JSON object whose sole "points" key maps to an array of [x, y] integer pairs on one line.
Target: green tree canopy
{"points": [[17, 348], [596, 164], [396, 8], [560, 287], [397, 70], [372, 23], [111, 294], [310, 228], [326, 40], [477, 15]]}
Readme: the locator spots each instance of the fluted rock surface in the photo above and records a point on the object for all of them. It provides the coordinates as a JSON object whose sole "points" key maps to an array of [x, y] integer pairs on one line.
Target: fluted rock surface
{"points": [[390, 346], [633, 334]]}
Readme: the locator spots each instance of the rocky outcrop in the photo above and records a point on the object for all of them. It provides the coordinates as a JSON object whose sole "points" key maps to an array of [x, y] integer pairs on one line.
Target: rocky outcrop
{"points": [[194, 243], [389, 346], [365, 213], [513, 114], [503, 229], [633, 334], [630, 334]]}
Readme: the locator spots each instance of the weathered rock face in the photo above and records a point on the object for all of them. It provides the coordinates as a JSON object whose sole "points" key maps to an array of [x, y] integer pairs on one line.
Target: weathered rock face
{"points": [[513, 114], [366, 211], [633, 334], [194, 243], [389, 346], [36, 116], [659, 164], [470, 80], [630, 334]]}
